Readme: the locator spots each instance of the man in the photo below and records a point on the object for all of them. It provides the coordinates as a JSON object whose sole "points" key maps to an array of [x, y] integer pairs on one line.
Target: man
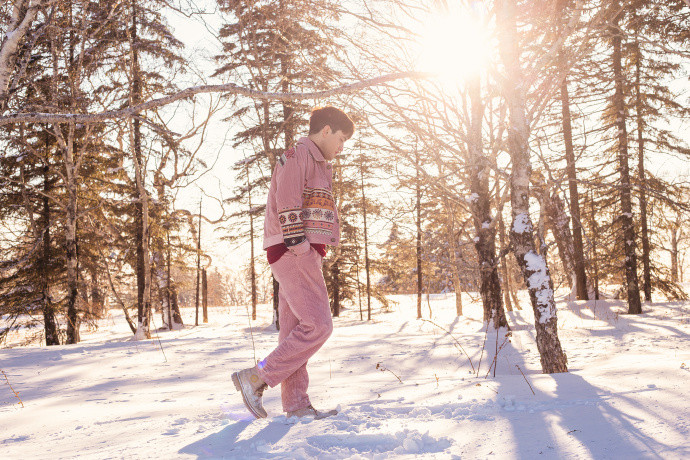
{"points": [[301, 219]]}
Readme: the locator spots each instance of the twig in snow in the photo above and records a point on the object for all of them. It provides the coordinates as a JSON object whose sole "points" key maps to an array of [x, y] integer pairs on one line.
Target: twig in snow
{"points": [[382, 368], [155, 329], [498, 350], [453, 337], [523, 376], [10, 385], [481, 355]]}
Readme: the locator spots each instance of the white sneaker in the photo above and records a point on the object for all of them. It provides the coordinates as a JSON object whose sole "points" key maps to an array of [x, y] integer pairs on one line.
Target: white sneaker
{"points": [[310, 411], [250, 385]]}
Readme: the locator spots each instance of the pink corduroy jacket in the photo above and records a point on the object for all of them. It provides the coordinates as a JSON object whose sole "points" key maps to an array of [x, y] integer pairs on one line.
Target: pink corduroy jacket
{"points": [[301, 209]]}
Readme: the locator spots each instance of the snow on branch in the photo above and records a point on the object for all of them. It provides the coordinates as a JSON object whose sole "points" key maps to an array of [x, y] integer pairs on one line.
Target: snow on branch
{"points": [[228, 88]]}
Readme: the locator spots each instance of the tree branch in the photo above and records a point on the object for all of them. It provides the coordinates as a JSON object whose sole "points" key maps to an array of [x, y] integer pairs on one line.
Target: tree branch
{"points": [[228, 88]]}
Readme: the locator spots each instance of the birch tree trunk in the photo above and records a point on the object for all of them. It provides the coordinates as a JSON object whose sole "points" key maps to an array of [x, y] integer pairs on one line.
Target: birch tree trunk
{"points": [[532, 265], [23, 14], [627, 225], [480, 204]]}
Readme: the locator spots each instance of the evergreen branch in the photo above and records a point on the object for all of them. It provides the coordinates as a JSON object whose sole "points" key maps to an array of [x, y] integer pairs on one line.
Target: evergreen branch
{"points": [[228, 88]]}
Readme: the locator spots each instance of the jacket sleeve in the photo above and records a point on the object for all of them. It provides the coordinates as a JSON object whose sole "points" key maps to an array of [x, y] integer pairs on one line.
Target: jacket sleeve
{"points": [[290, 178]]}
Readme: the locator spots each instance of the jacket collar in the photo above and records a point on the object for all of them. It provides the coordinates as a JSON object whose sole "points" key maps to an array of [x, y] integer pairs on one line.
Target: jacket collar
{"points": [[314, 149]]}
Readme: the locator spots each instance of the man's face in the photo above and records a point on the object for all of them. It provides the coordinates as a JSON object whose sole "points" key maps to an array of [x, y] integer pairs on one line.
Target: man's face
{"points": [[332, 142]]}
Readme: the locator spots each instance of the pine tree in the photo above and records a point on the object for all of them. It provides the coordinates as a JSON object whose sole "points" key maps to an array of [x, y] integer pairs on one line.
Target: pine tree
{"points": [[279, 47]]}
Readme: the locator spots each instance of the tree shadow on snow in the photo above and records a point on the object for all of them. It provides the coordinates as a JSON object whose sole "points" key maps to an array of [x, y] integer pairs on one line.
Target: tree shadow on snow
{"points": [[577, 419]]}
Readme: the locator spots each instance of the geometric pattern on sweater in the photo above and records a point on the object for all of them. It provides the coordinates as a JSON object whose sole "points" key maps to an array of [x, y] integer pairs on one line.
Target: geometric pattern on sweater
{"points": [[318, 211], [292, 226]]}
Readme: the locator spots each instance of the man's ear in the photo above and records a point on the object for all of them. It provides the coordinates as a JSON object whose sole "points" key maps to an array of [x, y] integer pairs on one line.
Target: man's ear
{"points": [[326, 130]]}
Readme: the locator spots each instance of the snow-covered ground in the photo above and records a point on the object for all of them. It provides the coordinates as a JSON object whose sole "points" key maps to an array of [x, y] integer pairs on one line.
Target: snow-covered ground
{"points": [[626, 395]]}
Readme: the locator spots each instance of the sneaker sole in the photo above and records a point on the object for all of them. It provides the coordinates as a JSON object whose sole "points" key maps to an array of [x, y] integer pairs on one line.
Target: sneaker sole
{"points": [[238, 386]]}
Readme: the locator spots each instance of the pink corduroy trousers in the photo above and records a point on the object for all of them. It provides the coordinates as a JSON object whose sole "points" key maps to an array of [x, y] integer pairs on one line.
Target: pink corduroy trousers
{"points": [[305, 325]]}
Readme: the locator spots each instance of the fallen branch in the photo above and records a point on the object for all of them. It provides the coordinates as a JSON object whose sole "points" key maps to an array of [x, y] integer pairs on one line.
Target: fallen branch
{"points": [[228, 88], [10, 385]]}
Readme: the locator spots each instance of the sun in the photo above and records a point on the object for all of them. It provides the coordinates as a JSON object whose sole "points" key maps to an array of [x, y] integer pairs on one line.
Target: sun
{"points": [[454, 43]]}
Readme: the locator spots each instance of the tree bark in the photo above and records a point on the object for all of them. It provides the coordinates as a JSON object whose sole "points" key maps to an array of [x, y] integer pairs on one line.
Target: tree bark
{"points": [[533, 266], [160, 269], [73, 321], [276, 295], [97, 301], [674, 254], [177, 317], [204, 295], [595, 233], [198, 270], [578, 246], [418, 187], [453, 249], [557, 221], [579, 273], [626, 218], [480, 204], [335, 288], [143, 267], [646, 265], [366, 244], [252, 268], [505, 271], [49, 321]]}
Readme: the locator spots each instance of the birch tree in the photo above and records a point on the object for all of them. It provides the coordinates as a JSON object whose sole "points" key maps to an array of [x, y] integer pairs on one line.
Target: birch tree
{"points": [[533, 265]]}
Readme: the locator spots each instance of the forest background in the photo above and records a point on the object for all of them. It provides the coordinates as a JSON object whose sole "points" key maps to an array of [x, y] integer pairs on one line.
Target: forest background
{"points": [[541, 148]]}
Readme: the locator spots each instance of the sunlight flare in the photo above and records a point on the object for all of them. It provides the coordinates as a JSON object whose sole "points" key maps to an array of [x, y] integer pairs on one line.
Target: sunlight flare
{"points": [[455, 43]]}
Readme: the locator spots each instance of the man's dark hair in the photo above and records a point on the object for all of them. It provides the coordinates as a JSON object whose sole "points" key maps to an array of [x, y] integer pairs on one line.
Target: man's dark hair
{"points": [[330, 116]]}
